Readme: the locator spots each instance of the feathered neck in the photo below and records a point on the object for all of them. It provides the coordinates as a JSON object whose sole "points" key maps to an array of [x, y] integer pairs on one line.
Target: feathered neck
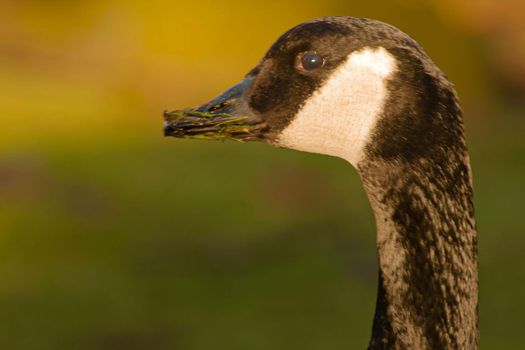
{"points": [[426, 241], [426, 234]]}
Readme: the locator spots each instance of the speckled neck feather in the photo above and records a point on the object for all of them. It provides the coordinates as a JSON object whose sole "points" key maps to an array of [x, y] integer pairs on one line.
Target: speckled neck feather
{"points": [[426, 235], [426, 241]]}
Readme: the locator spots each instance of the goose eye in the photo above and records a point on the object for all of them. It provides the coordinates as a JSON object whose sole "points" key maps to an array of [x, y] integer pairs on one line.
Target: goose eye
{"points": [[310, 61]]}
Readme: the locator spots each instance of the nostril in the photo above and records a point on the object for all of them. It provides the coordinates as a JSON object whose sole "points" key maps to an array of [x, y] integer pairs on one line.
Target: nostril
{"points": [[219, 106]]}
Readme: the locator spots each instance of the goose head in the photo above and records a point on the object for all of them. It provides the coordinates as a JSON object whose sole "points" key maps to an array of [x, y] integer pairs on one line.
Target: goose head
{"points": [[340, 86]]}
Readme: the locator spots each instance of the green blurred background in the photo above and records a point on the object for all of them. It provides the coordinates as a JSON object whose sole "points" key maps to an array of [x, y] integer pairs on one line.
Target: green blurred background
{"points": [[113, 237]]}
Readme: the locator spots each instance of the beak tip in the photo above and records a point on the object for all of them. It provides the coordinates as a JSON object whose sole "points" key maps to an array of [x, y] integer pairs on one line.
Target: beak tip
{"points": [[168, 129]]}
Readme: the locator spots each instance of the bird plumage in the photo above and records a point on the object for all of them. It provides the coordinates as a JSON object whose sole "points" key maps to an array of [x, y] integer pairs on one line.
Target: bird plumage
{"points": [[377, 100]]}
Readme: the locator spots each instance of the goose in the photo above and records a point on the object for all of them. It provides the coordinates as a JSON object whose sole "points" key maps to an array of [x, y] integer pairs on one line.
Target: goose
{"points": [[364, 91]]}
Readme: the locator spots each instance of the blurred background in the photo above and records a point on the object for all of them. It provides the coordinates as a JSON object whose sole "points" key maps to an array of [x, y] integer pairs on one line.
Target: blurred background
{"points": [[113, 237]]}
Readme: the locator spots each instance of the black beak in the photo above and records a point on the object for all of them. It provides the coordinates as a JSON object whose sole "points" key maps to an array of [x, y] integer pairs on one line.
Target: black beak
{"points": [[225, 117]]}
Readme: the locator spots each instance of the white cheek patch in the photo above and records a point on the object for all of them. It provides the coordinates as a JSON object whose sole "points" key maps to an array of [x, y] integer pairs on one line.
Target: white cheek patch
{"points": [[338, 118]]}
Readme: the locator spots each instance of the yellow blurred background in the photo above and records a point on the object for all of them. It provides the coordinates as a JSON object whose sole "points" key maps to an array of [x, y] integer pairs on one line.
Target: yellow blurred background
{"points": [[113, 237]]}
